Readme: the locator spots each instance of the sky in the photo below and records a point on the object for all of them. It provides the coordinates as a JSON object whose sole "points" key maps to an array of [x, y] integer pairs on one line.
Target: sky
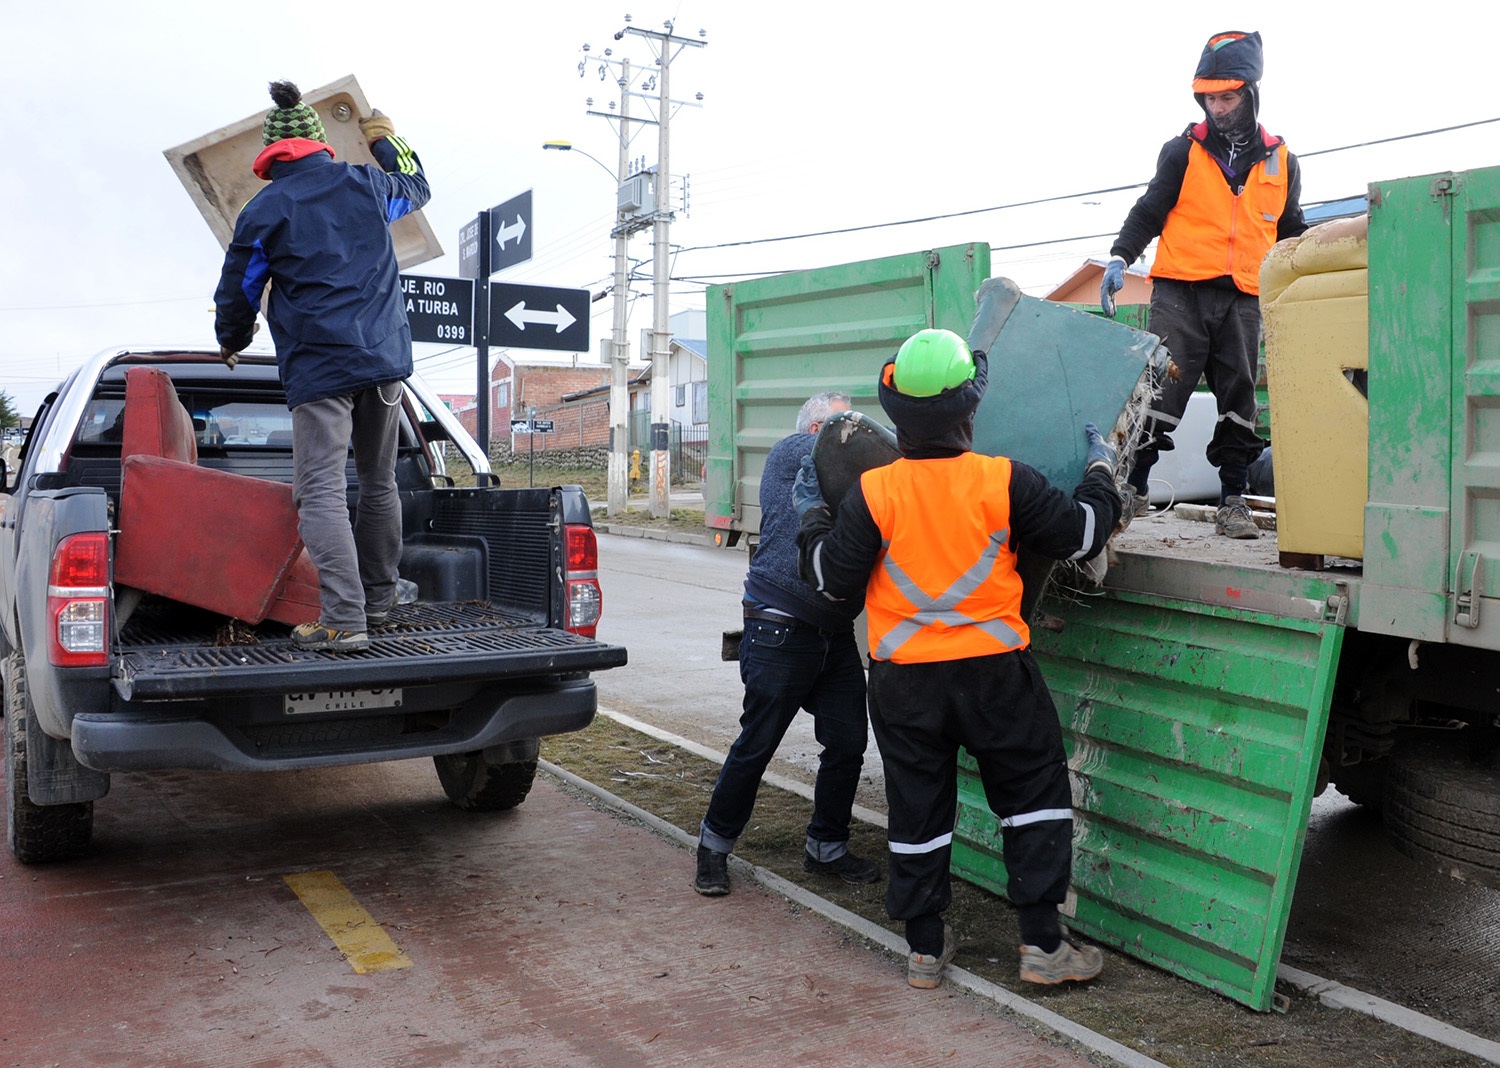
{"points": [[823, 118]]}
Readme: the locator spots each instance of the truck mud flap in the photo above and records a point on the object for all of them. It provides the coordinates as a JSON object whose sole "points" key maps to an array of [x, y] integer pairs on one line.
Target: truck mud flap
{"points": [[1193, 733], [454, 641]]}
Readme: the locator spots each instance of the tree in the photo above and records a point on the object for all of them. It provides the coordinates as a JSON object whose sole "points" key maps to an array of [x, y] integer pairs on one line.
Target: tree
{"points": [[8, 414]]}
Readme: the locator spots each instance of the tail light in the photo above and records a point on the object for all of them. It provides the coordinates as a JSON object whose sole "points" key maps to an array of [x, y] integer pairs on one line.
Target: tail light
{"points": [[78, 601], [585, 599]]}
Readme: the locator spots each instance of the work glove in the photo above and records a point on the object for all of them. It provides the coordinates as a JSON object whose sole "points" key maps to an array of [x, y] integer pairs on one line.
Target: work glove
{"points": [[1114, 281], [805, 492], [232, 357], [1100, 451], [996, 299], [375, 127]]}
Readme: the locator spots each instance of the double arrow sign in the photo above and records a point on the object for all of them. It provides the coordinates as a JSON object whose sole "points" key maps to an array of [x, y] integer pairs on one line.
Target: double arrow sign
{"points": [[521, 317]]}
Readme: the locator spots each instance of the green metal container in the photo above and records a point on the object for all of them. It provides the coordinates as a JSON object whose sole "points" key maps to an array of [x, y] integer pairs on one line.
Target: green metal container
{"points": [[774, 342]]}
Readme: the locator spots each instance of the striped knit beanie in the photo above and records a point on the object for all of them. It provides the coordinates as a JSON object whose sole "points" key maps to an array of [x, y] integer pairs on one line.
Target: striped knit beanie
{"points": [[291, 117]]}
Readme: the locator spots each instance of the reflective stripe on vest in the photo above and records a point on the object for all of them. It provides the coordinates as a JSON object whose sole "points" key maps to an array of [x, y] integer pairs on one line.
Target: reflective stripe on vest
{"points": [[946, 586], [1212, 232]]}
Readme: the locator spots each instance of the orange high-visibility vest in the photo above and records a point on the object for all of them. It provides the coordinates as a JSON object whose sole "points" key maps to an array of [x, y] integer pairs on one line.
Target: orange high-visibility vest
{"points": [[946, 586], [1212, 232]]}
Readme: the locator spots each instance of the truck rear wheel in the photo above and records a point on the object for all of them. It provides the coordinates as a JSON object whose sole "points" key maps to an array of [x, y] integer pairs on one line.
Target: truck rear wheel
{"points": [[37, 833], [1443, 809], [474, 784]]}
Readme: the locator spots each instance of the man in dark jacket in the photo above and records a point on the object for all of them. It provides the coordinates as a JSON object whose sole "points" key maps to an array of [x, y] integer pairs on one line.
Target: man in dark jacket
{"points": [[797, 652], [1225, 191], [319, 233], [930, 542]]}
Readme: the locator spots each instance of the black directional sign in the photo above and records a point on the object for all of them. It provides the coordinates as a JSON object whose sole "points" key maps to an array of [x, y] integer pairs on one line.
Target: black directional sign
{"points": [[510, 237], [439, 309], [539, 317]]}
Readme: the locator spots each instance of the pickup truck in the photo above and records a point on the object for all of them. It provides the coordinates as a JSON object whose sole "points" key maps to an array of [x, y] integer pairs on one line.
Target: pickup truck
{"points": [[104, 676]]}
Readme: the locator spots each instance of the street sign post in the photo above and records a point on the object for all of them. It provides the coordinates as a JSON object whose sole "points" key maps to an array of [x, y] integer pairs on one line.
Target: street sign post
{"points": [[539, 317], [440, 310]]}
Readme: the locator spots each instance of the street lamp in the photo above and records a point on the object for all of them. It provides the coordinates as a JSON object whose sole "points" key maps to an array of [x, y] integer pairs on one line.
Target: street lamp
{"points": [[619, 348], [568, 146]]}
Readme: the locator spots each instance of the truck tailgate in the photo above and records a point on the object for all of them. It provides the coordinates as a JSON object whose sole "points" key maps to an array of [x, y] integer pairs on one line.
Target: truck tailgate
{"points": [[452, 641]]}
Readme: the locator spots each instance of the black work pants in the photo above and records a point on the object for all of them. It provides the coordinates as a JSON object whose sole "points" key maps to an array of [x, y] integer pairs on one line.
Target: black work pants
{"points": [[1212, 333], [999, 709]]}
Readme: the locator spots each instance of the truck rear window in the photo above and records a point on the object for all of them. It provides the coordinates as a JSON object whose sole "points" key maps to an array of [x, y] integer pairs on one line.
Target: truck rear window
{"points": [[217, 421]]}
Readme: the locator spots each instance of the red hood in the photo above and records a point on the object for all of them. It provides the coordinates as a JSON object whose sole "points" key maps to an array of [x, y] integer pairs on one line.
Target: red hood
{"points": [[287, 148]]}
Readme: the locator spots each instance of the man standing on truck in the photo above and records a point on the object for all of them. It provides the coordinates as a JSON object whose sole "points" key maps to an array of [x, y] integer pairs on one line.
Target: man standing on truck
{"points": [[319, 233], [930, 542], [1224, 192], [797, 652]]}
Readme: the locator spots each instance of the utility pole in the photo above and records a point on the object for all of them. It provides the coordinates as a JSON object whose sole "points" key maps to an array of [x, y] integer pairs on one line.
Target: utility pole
{"points": [[630, 219], [619, 345]]}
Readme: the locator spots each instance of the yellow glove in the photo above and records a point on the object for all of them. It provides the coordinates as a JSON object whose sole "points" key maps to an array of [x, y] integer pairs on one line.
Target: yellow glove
{"points": [[376, 127]]}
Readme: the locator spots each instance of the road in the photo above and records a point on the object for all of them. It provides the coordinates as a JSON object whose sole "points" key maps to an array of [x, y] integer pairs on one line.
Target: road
{"points": [[1362, 914]]}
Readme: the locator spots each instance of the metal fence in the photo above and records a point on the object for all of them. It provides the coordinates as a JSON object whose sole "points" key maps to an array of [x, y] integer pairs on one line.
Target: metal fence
{"points": [[688, 445]]}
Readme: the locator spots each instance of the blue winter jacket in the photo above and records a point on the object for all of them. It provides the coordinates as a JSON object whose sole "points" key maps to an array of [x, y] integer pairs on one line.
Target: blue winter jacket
{"points": [[319, 233]]}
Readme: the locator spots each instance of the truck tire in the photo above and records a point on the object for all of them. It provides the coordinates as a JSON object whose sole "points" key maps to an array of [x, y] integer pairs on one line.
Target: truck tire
{"points": [[1441, 809], [37, 833], [474, 784]]}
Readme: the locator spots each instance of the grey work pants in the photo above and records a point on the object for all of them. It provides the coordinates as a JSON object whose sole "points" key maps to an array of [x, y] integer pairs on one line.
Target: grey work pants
{"points": [[356, 562]]}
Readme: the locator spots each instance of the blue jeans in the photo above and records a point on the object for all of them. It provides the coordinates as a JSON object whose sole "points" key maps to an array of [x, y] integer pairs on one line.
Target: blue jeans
{"points": [[786, 668]]}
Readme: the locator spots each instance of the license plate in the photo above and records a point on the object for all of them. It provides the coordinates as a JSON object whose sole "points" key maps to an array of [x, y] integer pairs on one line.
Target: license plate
{"points": [[341, 701]]}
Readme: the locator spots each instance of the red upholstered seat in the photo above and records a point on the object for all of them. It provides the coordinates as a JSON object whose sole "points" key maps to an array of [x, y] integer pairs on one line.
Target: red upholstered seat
{"points": [[221, 541]]}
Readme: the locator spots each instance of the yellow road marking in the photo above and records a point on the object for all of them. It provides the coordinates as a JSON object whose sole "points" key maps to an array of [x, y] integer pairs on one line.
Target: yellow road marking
{"points": [[361, 938]]}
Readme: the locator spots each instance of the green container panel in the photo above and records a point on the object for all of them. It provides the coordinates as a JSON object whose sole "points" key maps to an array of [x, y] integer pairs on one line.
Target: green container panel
{"points": [[774, 342], [1194, 733]]}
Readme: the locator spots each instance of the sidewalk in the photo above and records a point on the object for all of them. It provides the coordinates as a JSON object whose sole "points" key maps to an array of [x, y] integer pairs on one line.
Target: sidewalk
{"points": [[690, 497]]}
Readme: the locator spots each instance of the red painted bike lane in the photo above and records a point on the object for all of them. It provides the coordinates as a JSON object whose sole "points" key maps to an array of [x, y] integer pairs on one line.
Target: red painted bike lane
{"points": [[557, 934]]}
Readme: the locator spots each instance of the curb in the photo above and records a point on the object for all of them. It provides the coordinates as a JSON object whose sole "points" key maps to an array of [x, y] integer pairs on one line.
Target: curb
{"points": [[893, 944], [650, 534]]}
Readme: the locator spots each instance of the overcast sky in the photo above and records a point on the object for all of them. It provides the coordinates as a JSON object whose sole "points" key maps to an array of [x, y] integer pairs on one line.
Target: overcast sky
{"points": [[815, 117]]}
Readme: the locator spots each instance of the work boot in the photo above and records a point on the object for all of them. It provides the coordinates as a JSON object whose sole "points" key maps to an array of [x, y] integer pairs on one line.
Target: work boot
{"points": [[1069, 961], [924, 971], [712, 879], [315, 636], [1233, 520], [848, 867], [1139, 505]]}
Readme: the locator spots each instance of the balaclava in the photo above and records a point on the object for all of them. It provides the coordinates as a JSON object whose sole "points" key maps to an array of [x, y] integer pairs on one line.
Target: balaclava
{"points": [[1232, 60], [291, 117]]}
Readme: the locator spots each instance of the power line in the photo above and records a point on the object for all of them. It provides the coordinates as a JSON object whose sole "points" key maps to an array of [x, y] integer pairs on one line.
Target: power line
{"points": [[1054, 199]]}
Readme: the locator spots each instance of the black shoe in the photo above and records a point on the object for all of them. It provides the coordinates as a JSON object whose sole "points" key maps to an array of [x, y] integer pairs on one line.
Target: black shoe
{"points": [[848, 867], [713, 873]]}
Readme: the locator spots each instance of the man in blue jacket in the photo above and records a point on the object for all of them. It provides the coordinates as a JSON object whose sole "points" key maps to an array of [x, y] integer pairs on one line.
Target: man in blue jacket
{"points": [[797, 652], [319, 233]]}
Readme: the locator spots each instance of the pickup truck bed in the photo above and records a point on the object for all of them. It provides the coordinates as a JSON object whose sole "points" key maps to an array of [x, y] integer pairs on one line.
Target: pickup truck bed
{"points": [[151, 571]]}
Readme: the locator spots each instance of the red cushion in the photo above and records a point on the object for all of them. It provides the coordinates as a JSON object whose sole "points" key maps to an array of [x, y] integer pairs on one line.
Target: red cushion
{"points": [[156, 423]]}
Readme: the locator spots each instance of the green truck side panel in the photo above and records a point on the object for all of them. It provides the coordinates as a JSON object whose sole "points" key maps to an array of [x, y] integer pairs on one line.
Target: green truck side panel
{"points": [[1432, 524], [774, 342], [1411, 410], [1194, 733]]}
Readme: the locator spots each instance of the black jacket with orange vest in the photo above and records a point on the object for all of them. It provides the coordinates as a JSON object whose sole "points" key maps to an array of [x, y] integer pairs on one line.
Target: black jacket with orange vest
{"points": [[1149, 217]]}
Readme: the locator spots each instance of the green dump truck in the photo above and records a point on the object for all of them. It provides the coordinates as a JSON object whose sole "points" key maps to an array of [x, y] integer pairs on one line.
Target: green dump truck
{"points": [[1210, 688]]}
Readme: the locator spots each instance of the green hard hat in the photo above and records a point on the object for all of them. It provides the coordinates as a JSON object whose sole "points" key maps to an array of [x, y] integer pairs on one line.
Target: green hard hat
{"points": [[931, 361]]}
